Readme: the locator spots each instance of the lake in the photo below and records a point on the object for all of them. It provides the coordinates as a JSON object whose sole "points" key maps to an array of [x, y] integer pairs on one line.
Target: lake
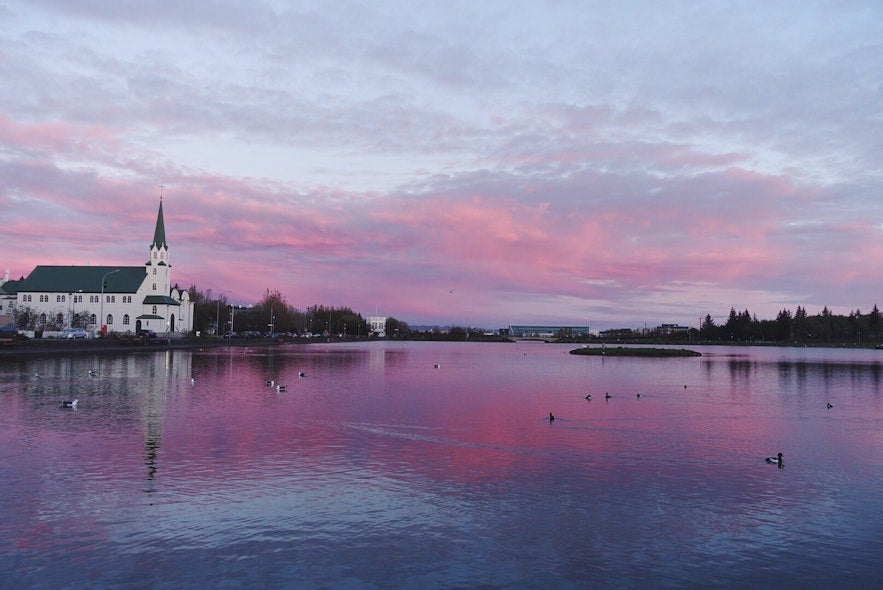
{"points": [[378, 469]]}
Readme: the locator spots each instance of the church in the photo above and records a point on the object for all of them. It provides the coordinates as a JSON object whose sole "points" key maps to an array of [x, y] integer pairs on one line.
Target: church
{"points": [[103, 299]]}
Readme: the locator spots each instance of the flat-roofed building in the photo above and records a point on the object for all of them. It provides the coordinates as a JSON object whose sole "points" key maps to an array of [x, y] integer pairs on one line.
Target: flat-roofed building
{"points": [[377, 326], [515, 331]]}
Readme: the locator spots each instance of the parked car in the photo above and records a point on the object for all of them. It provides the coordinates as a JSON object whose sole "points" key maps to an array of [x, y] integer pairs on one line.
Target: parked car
{"points": [[149, 335], [68, 333]]}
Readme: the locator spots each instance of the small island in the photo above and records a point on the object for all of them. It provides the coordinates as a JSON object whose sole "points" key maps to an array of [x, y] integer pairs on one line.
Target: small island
{"points": [[642, 352]]}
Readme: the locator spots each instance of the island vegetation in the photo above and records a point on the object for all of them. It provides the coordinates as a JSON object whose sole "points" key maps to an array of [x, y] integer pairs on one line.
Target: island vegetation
{"points": [[634, 351]]}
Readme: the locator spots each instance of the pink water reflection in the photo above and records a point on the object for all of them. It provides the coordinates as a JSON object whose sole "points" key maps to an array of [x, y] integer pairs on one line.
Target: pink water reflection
{"points": [[375, 439]]}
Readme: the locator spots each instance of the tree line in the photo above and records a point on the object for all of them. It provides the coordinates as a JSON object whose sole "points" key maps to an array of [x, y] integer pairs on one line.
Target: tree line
{"points": [[273, 314], [799, 326]]}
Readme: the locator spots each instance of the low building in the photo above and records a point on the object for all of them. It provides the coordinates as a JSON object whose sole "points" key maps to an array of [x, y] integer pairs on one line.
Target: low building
{"points": [[672, 330], [376, 326], [106, 298], [545, 331]]}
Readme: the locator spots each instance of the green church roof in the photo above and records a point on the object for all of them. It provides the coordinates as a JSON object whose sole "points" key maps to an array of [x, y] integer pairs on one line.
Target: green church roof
{"points": [[160, 300], [72, 279], [11, 287]]}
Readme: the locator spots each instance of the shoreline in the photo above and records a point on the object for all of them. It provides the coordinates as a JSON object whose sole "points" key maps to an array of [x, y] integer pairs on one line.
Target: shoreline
{"points": [[48, 347]]}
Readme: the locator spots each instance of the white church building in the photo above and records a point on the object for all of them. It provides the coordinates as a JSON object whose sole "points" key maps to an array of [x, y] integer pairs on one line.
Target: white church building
{"points": [[105, 298]]}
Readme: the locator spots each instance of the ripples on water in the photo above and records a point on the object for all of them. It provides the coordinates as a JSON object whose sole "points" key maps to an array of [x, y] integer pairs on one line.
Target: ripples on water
{"points": [[379, 470]]}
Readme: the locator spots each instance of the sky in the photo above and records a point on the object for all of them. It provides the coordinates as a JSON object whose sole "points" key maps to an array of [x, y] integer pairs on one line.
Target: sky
{"points": [[470, 163]]}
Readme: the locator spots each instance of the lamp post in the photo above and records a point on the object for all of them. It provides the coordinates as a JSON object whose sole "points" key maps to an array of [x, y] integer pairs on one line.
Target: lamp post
{"points": [[101, 305], [218, 311]]}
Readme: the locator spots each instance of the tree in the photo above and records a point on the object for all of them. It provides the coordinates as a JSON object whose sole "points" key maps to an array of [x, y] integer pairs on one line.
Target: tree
{"points": [[783, 325], [396, 328], [874, 323], [708, 328]]}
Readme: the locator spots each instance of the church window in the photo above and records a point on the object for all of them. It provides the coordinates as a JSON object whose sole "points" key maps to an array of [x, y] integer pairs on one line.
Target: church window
{"points": [[126, 320], [154, 286], [42, 318], [154, 255], [92, 319], [154, 310], [154, 271], [59, 319], [109, 321]]}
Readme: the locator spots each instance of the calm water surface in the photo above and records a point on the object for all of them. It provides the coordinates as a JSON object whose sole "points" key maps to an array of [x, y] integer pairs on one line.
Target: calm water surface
{"points": [[378, 470]]}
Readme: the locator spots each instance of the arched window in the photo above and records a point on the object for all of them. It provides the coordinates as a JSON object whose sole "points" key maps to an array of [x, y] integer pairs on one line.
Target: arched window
{"points": [[93, 320], [154, 310], [126, 320], [154, 255], [154, 286], [109, 321], [42, 318], [154, 270]]}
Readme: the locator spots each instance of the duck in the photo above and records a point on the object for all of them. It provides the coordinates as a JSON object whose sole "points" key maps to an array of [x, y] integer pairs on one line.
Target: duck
{"points": [[281, 388], [640, 395], [830, 405], [589, 397], [93, 373], [777, 459], [551, 417], [437, 366], [607, 395], [270, 383], [69, 403], [301, 374], [192, 380]]}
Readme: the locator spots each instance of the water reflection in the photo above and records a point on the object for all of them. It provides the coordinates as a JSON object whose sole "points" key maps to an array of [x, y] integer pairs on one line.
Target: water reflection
{"points": [[377, 469]]}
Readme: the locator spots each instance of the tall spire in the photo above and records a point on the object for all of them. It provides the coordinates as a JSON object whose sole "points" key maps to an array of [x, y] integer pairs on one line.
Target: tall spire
{"points": [[159, 234]]}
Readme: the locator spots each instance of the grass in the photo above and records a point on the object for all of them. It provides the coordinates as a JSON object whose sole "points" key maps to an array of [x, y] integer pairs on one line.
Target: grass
{"points": [[642, 352]]}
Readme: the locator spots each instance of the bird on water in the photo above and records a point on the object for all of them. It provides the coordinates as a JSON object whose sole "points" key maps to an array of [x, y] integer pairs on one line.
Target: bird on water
{"points": [[830, 405], [69, 403], [551, 417], [777, 460]]}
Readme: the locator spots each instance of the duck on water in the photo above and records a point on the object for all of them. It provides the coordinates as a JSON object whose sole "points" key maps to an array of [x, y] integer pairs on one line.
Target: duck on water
{"points": [[776, 460]]}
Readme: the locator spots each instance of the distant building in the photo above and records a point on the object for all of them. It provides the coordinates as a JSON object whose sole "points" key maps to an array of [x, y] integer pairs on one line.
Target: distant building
{"points": [[671, 330], [617, 333], [545, 331], [376, 326], [111, 298]]}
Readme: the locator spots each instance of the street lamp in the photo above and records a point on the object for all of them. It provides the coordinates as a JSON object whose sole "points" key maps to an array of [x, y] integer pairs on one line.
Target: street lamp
{"points": [[101, 305], [218, 320]]}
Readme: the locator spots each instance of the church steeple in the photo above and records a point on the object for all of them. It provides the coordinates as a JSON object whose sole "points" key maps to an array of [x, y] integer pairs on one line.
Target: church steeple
{"points": [[158, 264], [159, 234]]}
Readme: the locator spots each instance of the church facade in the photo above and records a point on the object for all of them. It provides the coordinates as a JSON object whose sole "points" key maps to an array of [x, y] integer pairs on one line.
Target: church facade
{"points": [[105, 298]]}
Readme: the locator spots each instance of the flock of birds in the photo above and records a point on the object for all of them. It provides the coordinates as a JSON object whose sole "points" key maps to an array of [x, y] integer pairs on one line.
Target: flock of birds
{"points": [[282, 388], [776, 460]]}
